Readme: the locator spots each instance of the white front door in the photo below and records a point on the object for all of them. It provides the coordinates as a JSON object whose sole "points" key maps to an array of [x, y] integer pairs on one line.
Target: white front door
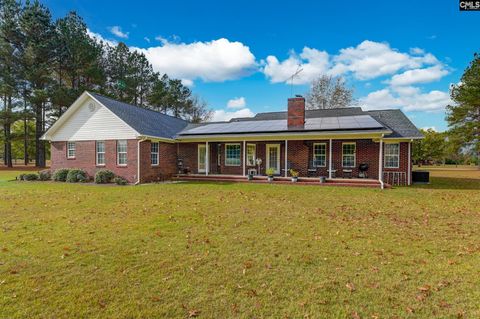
{"points": [[273, 157], [202, 155]]}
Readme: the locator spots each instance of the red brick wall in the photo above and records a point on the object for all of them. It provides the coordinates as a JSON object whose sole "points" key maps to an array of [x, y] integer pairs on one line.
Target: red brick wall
{"points": [[296, 112], [167, 164], [85, 158], [300, 154]]}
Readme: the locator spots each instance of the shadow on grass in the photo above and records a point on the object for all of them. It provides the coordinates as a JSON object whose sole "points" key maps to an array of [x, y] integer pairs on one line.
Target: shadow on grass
{"points": [[450, 183]]}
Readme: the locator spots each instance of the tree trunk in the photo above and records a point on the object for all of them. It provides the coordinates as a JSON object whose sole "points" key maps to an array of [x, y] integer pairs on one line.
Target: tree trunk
{"points": [[25, 133], [8, 145], [39, 144]]}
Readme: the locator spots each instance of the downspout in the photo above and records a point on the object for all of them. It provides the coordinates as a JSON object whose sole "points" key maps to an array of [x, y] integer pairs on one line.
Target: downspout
{"points": [[380, 163], [138, 162]]}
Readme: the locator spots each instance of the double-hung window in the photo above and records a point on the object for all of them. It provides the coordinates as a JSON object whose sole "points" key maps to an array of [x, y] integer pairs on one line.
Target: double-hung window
{"points": [[319, 154], [70, 149], [154, 153], [251, 150], [100, 153], [392, 155], [232, 155], [122, 152], [348, 154]]}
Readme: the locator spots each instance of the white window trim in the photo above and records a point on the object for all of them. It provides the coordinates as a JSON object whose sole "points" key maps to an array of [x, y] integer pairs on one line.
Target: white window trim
{"points": [[385, 156], [354, 154], [226, 147], [254, 154], [158, 153], [126, 153], [74, 150], [97, 152], [313, 154]]}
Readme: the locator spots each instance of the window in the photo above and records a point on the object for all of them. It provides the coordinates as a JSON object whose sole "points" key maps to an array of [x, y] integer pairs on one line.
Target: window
{"points": [[251, 150], [70, 149], [122, 152], [392, 155], [319, 154], [232, 154], [154, 154], [348, 154], [100, 153]]}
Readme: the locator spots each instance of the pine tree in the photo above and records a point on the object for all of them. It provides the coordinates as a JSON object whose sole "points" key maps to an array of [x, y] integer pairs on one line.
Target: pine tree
{"points": [[464, 116], [37, 61]]}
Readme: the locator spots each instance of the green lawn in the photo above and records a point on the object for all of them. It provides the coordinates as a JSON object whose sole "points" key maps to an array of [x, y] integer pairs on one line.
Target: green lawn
{"points": [[239, 250]]}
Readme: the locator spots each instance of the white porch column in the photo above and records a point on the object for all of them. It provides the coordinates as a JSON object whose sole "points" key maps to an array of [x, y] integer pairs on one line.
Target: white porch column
{"points": [[380, 163], [286, 158], [207, 159], [409, 171], [330, 159], [244, 157]]}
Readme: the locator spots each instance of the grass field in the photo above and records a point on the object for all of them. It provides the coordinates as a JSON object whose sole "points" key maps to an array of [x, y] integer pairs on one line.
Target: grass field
{"points": [[240, 250]]}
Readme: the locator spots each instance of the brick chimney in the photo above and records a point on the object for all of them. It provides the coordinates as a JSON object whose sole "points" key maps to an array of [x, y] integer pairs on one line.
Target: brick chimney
{"points": [[296, 112]]}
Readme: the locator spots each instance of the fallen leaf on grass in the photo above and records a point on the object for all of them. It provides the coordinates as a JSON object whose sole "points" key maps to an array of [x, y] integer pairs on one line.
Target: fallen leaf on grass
{"points": [[350, 286], [193, 313], [444, 304], [355, 315]]}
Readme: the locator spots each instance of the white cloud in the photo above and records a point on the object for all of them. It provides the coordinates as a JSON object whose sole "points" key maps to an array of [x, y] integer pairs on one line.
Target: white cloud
{"points": [[117, 31], [425, 75], [99, 37], [146, 39], [371, 59], [417, 51], [237, 103], [406, 98], [222, 115], [312, 62], [187, 82], [213, 61], [433, 128]]}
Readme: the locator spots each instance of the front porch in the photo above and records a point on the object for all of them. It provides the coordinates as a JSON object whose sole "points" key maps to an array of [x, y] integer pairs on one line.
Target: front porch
{"points": [[356, 161], [354, 182]]}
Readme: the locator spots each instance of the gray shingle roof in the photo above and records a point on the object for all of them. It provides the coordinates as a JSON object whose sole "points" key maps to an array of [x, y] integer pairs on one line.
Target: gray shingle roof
{"points": [[315, 120], [398, 122], [144, 121]]}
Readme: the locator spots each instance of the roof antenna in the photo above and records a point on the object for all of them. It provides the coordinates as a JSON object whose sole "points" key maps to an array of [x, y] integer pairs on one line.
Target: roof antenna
{"points": [[299, 69]]}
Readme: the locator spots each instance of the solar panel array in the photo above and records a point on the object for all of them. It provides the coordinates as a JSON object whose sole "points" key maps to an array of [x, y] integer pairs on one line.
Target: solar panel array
{"points": [[311, 124]]}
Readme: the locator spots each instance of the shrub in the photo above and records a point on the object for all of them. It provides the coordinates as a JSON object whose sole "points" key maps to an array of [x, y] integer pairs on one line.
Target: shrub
{"points": [[60, 175], [77, 175], [270, 171], [120, 180], [30, 177], [45, 175], [20, 177], [104, 176], [293, 173]]}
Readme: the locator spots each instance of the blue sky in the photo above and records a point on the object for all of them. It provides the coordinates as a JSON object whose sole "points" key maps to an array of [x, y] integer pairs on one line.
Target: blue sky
{"points": [[237, 55]]}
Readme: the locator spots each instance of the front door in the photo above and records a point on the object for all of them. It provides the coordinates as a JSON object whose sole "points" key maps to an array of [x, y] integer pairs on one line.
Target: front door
{"points": [[202, 155], [273, 157]]}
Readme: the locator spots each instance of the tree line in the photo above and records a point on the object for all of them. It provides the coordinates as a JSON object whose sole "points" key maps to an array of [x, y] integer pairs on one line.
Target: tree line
{"points": [[45, 65]]}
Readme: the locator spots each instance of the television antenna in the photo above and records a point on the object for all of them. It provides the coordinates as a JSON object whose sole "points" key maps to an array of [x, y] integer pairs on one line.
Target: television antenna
{"points": [[297, 72]]}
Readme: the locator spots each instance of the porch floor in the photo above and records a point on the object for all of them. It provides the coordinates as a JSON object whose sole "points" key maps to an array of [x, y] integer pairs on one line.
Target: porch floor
{"points": [[353, 182]]}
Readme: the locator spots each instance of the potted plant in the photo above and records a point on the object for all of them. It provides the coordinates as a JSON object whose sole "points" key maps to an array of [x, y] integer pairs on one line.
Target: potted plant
{"points": [[250, 176], [270, 171], [323, 179], [294, 175]]}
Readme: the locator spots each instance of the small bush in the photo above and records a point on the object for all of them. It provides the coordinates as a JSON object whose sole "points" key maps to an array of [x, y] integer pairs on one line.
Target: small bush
{"points": [[77, 175], [30, 177], [104, 176], [20, 177], [120, 180], [60, 175], [45, 175]]}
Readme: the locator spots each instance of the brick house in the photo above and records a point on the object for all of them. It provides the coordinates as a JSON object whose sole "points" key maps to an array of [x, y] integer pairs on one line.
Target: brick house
{"points": [[142, 145]]}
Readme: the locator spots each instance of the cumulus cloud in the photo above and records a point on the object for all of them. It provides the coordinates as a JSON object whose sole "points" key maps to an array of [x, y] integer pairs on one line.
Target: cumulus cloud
{"points": [[425, 75], [99, 37], [222, 115], [237, 103], [407, 98], [371, 59], [117, 31], [212, 61], [312, 62]]}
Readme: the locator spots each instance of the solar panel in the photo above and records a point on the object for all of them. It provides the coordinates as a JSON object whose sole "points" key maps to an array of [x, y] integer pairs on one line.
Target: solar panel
{"points": [[311, 124]]}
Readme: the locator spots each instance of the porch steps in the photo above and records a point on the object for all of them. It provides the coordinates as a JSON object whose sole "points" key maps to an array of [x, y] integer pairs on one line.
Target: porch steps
{"points": [[281, 180]]}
